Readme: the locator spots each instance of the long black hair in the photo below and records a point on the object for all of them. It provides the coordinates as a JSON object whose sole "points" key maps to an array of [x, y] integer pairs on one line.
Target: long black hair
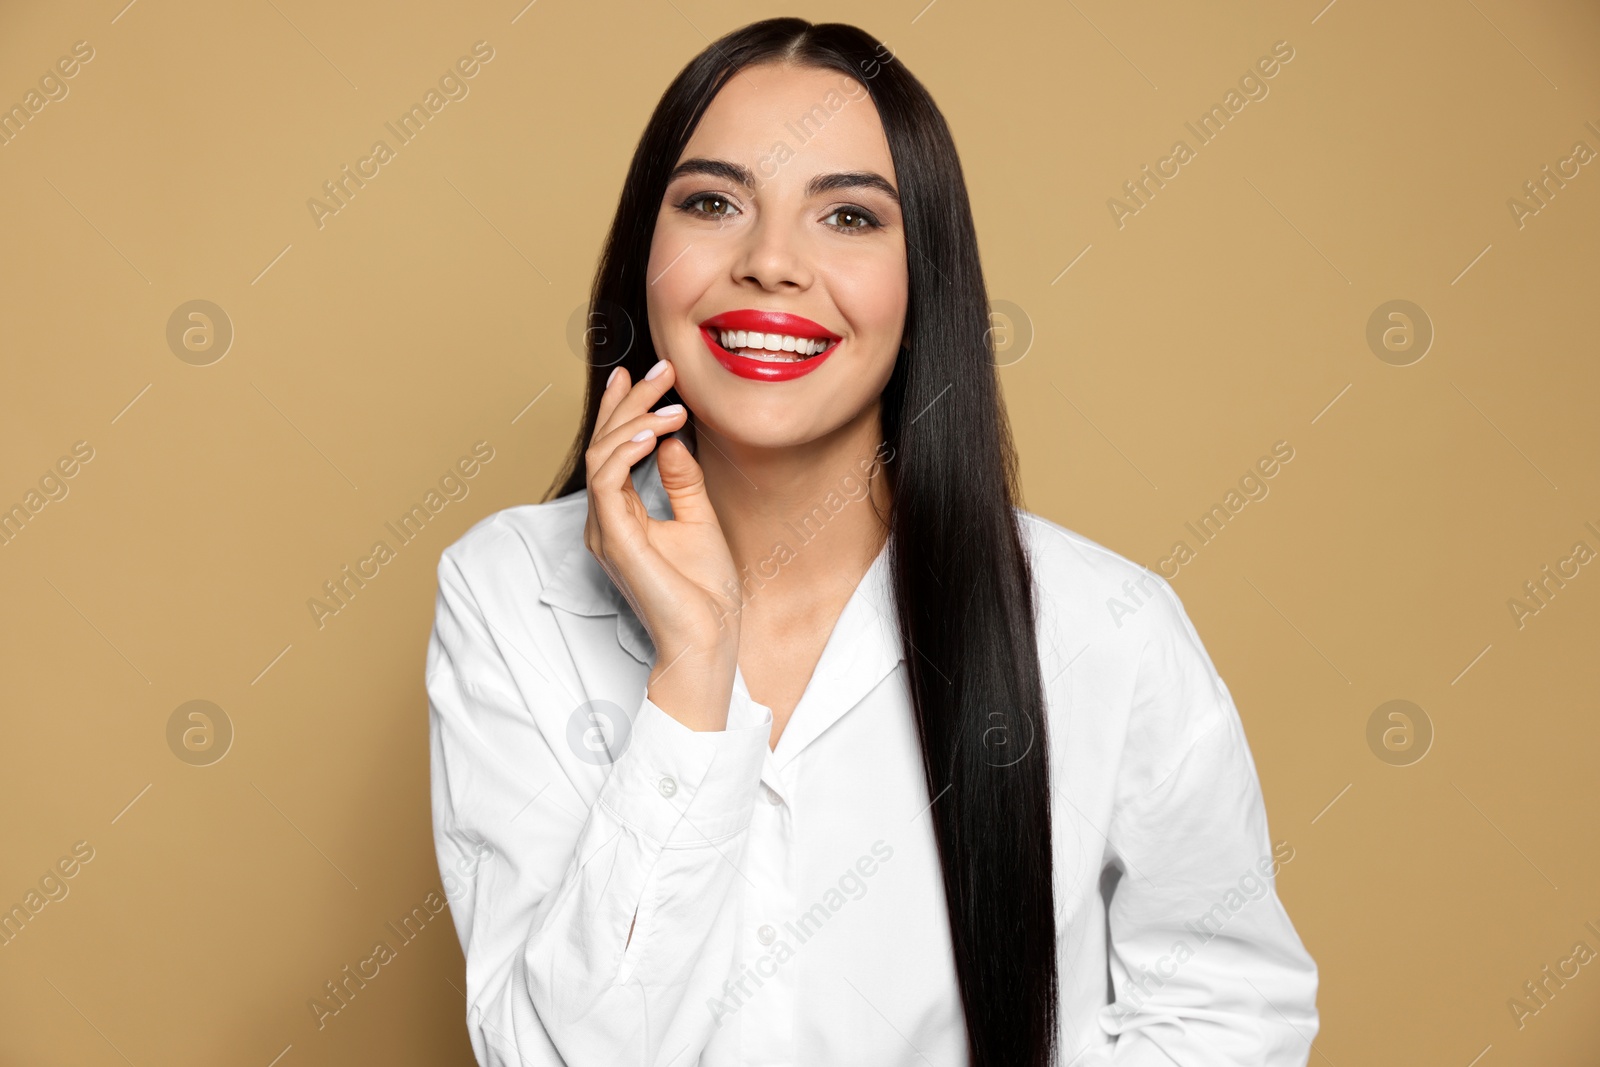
{"points": [[962, 580]]}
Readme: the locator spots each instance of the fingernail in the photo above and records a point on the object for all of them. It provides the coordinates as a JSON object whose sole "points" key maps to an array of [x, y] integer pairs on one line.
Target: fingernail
{"points": [[670, 409], [613, 375], [656, 370], [642, 435]]}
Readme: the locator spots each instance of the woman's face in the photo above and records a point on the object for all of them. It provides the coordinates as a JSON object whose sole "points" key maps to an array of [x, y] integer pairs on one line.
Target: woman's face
{"points": [[784, 201]]}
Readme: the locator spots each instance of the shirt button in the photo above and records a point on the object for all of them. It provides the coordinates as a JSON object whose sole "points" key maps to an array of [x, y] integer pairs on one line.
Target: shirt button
{"points": [[667, 786], [766, 935], [772, 797]]}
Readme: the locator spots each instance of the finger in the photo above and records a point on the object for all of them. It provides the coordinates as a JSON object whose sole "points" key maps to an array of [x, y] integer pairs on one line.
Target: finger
{"points": [[613, 410], [685, 483], [624, 430], [611, 489], [616, 388], [640, 397]]}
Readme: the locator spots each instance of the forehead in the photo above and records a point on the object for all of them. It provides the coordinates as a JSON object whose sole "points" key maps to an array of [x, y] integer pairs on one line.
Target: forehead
{"points": [[818, 119]]}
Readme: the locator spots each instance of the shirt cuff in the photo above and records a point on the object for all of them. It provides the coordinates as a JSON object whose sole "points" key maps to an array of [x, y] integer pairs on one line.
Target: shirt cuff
{"points": [[685, 788]]}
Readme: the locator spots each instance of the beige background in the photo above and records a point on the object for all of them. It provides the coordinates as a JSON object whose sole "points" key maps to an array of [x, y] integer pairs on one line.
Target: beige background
{"points": [[371, 353]]}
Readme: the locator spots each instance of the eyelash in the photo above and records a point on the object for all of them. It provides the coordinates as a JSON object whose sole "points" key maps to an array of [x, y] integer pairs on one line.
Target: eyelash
{"points": [[872, 220]]}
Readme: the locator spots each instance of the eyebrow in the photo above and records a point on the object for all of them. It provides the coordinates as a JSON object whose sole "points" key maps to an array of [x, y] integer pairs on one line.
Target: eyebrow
{"points": [[821, 183]]}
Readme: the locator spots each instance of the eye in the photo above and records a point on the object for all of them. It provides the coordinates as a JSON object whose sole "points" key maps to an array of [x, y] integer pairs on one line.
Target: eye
{"points": [[861, 220], [688, 208]]}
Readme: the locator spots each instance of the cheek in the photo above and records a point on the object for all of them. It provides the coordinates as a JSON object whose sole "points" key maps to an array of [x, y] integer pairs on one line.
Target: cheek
{"points": [[667, 239], [665, 277], [659, 240], [873, 296], [678, 266]]}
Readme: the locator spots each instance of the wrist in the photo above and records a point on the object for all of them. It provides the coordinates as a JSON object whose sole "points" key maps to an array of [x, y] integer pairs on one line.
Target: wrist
{"points": [[694, 685], [709, 650]]}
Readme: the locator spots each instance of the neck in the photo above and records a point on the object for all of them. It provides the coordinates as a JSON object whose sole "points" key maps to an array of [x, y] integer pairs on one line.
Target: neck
{"points": [[802, 517]]}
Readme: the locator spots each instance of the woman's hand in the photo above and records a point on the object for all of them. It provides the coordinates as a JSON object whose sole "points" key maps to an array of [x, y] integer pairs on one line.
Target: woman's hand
{"points": [[678, 575]]}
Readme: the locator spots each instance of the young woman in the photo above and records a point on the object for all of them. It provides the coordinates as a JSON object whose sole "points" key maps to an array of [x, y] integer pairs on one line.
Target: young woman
{"points": [[782, 734]]}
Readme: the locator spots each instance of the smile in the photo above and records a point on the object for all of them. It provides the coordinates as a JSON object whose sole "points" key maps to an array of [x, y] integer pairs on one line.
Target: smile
{"points": [[767, 346]]}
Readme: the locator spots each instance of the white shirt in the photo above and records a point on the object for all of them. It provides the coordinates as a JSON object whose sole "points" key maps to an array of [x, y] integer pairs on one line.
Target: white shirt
{"points": [[790, 907]]}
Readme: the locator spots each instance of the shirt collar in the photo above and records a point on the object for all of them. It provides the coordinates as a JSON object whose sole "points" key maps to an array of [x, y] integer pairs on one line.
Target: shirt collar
{"points": [[581, 586], [862, 649]]}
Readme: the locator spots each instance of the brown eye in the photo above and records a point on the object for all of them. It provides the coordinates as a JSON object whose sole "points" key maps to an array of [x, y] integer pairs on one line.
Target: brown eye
{"points": [[714, 198], [859, 220]]}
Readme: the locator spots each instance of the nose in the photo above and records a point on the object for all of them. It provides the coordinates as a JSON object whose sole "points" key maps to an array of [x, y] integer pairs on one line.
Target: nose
{"points": [[773, 256]]}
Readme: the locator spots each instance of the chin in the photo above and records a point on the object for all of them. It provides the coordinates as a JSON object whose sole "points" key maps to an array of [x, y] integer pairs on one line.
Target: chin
{"points": [[765, 425]]}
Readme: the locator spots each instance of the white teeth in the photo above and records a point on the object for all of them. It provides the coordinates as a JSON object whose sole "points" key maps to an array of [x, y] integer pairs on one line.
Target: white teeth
{"points": [[757, 345]]}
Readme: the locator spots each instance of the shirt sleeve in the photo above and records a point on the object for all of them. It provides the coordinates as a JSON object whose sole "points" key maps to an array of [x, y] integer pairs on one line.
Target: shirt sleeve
{"points": [[547, 873], [1206, 966]]}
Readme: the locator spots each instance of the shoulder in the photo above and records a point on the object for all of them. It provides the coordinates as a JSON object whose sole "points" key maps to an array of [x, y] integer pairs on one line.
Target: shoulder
{"points": [[1063, 550], [1135, 655], [493, 583], [1097, 591], [522, 546]]}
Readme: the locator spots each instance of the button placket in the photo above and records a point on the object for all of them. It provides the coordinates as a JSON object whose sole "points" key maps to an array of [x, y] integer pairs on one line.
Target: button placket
{"points": [[774, 857], [767, 1032]]}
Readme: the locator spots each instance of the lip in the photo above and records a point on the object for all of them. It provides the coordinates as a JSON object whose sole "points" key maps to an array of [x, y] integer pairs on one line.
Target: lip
{"points": [[766, 322]]}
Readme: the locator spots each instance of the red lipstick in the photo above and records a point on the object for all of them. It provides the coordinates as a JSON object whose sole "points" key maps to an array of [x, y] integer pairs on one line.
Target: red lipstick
{"points": [[766, 322]]}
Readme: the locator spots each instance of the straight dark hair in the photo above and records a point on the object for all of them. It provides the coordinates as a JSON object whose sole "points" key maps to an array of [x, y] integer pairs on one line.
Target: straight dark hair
{"points": [[963, 583]]}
